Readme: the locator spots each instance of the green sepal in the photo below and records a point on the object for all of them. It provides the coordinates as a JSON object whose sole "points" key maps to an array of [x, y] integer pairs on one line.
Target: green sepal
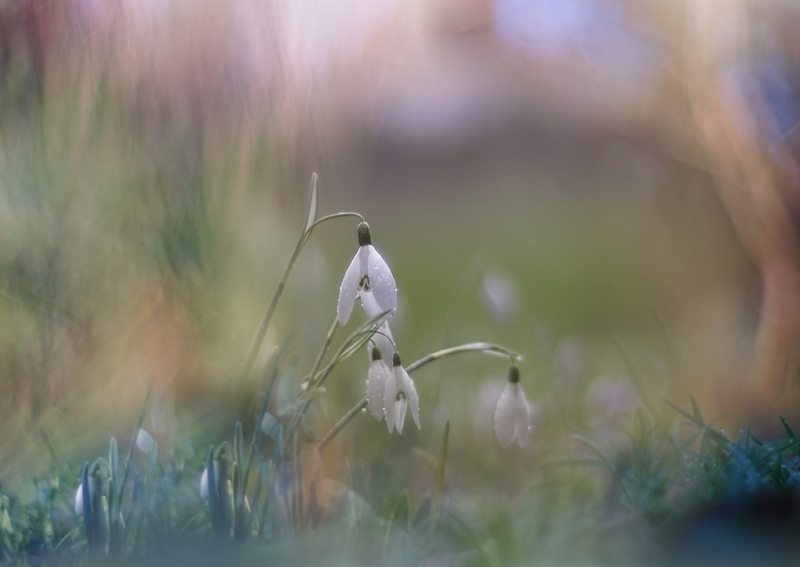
{"points": [[364, 234]]}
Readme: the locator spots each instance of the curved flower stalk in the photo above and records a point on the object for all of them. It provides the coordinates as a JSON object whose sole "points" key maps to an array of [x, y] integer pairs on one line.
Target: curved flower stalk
{"points": [[368, 278], [512, 414], [383, 340], [399, 394]]}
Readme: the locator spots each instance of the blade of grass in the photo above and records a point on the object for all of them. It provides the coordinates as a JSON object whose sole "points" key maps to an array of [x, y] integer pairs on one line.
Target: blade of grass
{"points": [[439, 486], [788, 429]]}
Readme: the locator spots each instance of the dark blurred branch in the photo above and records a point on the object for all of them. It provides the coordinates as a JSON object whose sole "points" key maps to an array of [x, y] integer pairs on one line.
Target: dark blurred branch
{"points": [[748, 180]]}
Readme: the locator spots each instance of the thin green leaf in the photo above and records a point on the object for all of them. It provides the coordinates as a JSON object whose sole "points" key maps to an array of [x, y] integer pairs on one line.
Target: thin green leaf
{"points": [[696, 410], [439, 487], [636, 376], [685, 414], [595, 448], [788, 429], [312, 202]]}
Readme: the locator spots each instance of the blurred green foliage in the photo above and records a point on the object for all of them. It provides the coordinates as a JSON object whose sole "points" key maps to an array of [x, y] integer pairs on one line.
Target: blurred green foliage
{"points": [[143, 233]]}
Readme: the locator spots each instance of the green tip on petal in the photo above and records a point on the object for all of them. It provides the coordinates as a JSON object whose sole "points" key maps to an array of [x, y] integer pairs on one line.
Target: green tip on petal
{"points": [[364, 234], [513, 374], [395, 359]]}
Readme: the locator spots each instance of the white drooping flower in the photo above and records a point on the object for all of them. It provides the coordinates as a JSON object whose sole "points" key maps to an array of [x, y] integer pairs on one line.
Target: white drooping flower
{"points": [[399, 394], [368, 278], [79, 496], [512, 414], [377, 376]]}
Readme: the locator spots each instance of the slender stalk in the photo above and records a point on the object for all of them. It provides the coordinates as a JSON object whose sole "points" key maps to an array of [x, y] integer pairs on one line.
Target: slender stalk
{"points": [[345, 351], [127, 468], [326, 218], [351, 344], [344, 420], [257, 432], [307, 382], [261, 332], [119, 491], [488, 348], [439, 487]]}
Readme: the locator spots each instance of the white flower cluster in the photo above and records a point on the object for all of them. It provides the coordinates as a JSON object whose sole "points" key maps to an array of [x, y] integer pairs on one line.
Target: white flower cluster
{"points": [[390, 391]]}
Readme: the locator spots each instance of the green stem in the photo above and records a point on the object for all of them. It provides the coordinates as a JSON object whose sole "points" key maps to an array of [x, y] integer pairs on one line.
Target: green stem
{"points": [[339, 425], [310, 378], [258, 339], [345, 351], [488, 348]]}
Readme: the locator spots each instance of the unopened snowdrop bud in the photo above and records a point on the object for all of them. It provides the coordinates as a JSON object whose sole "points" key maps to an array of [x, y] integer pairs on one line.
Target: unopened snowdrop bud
{"points": [[400, 393], [368, 278], [204, 481], [79, 496], [79, 500], [377, 376], [512, 414]]}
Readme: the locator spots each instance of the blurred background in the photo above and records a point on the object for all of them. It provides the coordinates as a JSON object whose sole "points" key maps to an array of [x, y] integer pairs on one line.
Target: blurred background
{"points": [[575, 179]]}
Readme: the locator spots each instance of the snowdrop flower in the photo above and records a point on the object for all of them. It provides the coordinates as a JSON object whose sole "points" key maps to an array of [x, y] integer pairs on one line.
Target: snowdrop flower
{"points": [[368, 278], [399, 394], [377, 376], [146, 443], [512, 414], [204, 480], [79, 496]]}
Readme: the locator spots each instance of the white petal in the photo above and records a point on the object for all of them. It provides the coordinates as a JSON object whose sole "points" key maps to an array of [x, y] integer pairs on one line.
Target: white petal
{"points": [[371, 307], [363, 261], [348, 290], [400, 414], [376, 387], [389, 397], [522, 418], [505, 415], [204, 485], [413, 398], [381, 281], [79, 500]]}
